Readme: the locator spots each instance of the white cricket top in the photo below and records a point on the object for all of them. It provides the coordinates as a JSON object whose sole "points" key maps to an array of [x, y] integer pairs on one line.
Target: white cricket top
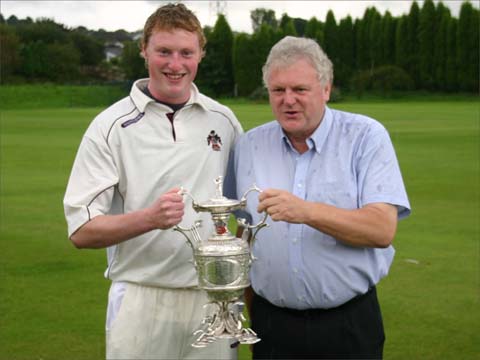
{"points": [[130, 155]]}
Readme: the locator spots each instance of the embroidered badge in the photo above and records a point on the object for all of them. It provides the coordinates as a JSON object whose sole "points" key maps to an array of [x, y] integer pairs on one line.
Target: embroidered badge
{"points": [[214, 140]]}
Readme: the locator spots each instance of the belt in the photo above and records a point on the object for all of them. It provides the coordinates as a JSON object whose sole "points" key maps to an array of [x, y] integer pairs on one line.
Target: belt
{"points": [[372, 292]]}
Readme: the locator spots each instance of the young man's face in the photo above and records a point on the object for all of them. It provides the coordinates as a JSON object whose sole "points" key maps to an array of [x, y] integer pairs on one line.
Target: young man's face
{"points": [[172, 58], [297, 98]]}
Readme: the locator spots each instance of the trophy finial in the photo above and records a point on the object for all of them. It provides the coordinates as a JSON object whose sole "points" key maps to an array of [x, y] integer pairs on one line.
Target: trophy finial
{"points": [[219, 183]]}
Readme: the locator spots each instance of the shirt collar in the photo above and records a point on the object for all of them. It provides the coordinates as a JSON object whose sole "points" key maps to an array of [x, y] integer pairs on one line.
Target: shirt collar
{"points": [[317, 139], [141, 100]]}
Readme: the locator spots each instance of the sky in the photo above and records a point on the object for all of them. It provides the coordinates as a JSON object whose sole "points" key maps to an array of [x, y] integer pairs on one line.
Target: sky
{"points": [[131, 15]]}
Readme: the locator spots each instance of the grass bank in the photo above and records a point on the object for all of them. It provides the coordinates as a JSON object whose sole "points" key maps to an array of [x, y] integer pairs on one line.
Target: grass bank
{"points": [[59, 96], [53, 297]]}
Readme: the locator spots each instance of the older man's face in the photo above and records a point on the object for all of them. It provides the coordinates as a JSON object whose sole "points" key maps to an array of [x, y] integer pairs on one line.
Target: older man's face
{"points": [[297, 98]]}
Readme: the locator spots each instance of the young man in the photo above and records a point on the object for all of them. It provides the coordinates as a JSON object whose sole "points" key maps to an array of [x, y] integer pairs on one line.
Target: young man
{"points": [[334, 192], [123, 194]]}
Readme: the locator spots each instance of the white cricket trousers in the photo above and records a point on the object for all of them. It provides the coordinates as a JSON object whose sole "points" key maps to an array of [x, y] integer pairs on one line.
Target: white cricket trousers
{"points": [[158, 323]]}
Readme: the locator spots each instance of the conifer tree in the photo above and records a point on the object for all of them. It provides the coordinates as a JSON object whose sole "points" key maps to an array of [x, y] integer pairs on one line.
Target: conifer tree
{"points": [[412, 57], [346, 56], [388, 39], [467, 47], [401, 43], [360, 49], [451, 54], [426, 41], [440, 46], [374, 39], [216, 69]]}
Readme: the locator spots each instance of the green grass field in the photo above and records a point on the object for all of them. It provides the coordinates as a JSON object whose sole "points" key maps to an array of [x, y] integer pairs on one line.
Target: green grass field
{"points": [[53, 297]]}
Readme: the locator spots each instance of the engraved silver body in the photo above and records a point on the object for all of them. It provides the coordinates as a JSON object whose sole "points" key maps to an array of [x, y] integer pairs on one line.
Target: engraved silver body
{"points": [[222, 262]]}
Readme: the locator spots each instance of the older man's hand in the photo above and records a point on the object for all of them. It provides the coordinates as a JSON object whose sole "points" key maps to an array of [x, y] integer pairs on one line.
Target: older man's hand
{"points": [[283, 206]]}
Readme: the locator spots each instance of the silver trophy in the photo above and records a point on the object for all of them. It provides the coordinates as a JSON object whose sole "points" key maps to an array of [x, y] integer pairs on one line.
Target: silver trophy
{"points": [[222, 263]]}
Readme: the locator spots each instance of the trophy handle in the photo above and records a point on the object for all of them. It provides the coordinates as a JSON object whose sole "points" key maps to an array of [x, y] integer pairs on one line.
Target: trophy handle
{"points": [[184, 192], [247, 232], [262, 222], [194, 232], [192, 229]]}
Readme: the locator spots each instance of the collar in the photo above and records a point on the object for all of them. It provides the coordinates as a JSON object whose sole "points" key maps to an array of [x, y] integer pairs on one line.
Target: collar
{"points": [[319, 136], [141, 100]]}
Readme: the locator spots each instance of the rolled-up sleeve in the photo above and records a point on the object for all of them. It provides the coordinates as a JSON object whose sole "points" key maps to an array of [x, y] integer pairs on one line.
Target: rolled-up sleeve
{"points": [[379, 176]]}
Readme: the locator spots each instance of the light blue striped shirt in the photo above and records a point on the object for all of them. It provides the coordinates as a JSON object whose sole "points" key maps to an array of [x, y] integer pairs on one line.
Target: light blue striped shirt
{"points": [[350, 163]]}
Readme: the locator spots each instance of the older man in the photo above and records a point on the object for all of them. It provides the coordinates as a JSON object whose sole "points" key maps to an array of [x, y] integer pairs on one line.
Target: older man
{"points": [[334, 192]]}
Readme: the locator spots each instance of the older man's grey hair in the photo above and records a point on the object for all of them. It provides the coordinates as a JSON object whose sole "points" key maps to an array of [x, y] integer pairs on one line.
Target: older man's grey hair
{"points": [[291, 49]]}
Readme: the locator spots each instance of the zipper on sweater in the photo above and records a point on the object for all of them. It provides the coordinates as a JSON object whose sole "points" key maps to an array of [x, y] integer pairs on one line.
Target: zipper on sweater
{"points": [[170, 117]]}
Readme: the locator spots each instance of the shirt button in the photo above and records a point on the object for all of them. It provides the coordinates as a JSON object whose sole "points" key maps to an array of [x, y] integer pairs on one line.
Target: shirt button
{"points": [[295, 270], [299, 185], [295, 240]]}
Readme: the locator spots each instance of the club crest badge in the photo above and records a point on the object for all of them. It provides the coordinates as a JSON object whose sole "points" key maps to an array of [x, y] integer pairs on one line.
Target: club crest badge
{"points": [[214, 141]]}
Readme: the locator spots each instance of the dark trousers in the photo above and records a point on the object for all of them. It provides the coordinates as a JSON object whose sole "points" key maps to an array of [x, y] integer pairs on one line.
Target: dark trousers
{"points": [[353, 330]]}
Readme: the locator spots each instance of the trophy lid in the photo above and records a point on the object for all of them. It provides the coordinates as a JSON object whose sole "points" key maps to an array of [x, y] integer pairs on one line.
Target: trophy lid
{"points": [[220, 203]]}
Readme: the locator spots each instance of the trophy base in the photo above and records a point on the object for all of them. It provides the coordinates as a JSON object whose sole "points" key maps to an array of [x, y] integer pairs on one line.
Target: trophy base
{"points": [[224, 323]]}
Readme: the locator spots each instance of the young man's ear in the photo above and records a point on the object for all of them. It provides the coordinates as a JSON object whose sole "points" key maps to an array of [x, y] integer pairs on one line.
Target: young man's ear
{"points": [[144, 56]]}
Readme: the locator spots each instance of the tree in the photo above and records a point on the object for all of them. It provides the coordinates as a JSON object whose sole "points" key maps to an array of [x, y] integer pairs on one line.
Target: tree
{"points": [[387, 35], [361, 43], [287, 26], [45, 30], [53, 62], [91, 50], [245, 81], [346, 52], [330, 33], [250, 54], [314, 30], [468, 47], [426, 41], [263, 16], [12, 20], [412, 57], [263, 41], [35, 60], [451, 53], [374, 38], [300, 26], [401, 44], [216, 70], [131, 62], [440, 47], [63, 62], [10, 60]]}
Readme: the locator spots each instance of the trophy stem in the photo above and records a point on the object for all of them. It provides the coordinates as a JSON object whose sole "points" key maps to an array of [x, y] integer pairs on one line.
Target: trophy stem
{"points": [[225, 322]]}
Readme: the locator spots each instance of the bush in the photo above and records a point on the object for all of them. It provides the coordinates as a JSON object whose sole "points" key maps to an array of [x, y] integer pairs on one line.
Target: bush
{"points": [[335, 95], [383, 80], [260, 93]]}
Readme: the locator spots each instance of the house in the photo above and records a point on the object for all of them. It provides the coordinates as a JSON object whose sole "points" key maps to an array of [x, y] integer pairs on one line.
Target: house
{"points": [[113, 50]]}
